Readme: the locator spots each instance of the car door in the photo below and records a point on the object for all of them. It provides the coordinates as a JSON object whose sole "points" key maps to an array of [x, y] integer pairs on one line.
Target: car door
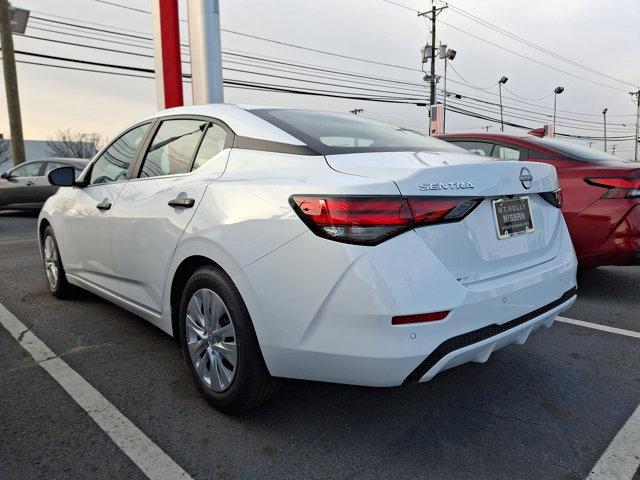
{"points": [[154, 209], [17, 188], [87, 211]]}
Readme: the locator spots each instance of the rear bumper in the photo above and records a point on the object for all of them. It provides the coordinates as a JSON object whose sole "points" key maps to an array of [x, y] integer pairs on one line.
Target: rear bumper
{"points": [[477, 345], [330, 320]]}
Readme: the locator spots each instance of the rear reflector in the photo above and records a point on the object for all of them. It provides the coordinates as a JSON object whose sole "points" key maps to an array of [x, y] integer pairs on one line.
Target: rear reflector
{"points": [[419, 318], [618, 187], [369, 220]]}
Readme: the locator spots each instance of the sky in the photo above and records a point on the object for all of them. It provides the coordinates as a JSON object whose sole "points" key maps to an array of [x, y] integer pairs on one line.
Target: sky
{"points": [[602, 36]]}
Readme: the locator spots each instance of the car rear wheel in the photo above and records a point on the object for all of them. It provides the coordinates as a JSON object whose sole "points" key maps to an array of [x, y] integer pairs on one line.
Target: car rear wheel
{"points": [[54, 270], [220, 345]]}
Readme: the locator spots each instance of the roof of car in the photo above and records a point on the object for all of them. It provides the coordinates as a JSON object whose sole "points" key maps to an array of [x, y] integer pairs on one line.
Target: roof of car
{"points": [[237, 117], [528, 141], [72, 161]]}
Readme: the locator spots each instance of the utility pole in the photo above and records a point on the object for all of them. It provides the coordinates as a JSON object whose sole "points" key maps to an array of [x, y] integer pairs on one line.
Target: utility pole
{"points": [[604, 116], [356, 111], [637, 95], [11, 84], [486, 128], [431, 15]]}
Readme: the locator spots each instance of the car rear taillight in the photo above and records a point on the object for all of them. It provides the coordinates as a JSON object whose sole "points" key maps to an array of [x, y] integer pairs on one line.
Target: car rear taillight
{"points": [[554, 198], [618, 187], [369, 220]]}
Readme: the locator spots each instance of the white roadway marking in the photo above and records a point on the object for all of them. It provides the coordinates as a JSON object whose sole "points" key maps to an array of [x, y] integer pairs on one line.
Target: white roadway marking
{"points": [[153, 462], [597, 326], [621, 459]]}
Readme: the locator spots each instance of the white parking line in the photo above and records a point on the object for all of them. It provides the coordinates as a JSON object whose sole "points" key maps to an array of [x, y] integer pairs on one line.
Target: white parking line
{"points": [[153, 462], [596, 326], [622, 458]]}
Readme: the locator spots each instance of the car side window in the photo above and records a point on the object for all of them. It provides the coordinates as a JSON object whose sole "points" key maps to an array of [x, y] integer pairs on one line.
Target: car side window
{"points": [[479, 148], [114, 162], [506, 153], [27, 170], [212, 144], [172, 148]]}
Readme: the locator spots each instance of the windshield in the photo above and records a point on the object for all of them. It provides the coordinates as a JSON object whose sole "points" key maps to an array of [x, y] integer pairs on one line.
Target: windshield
{"points": [[333, 133], [576, 151]]}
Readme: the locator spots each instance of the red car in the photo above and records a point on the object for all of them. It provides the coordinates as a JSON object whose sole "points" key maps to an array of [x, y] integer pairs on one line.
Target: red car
{"points": [[601, 193]]}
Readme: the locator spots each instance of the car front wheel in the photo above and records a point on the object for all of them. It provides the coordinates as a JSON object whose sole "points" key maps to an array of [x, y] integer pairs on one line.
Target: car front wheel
{"points": [[54, 270], [220, 345]]}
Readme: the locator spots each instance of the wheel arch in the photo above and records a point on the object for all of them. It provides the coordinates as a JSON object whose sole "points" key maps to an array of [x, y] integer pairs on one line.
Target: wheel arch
{"points": [[185, 269], [43, 223]]}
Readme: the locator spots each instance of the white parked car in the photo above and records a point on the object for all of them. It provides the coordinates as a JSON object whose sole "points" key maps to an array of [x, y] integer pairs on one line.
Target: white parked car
{"points": [[290, 243]]}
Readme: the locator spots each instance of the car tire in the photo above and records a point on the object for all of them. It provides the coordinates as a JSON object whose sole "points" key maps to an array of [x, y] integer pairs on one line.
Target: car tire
{"points": [[215, 322], [54, 270]]}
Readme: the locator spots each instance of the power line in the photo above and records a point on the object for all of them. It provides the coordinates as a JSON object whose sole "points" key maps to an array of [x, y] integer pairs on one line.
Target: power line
{"points": [[524, 41], [280, 42], [405, 90], [529, 99], [467, 82], [531, 59]]}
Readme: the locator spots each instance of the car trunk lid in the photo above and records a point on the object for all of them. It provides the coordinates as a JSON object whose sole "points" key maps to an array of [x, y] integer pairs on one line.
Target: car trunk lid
{"points": [[471, 248]]}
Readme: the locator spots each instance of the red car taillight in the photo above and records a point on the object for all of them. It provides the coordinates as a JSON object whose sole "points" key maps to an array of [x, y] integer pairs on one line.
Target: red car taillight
{"points": [[369, 220], [618, 187]]}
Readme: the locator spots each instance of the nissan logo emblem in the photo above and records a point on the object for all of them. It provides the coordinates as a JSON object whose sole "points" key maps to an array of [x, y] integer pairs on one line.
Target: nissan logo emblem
{"points": [[526, 179]]}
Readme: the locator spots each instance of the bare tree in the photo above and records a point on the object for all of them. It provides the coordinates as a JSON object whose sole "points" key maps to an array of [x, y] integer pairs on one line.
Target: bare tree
{"points": [[70, 144]]}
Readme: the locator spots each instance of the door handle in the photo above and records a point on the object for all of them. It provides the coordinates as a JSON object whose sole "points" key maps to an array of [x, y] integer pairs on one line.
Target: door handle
{"points": [[103, 205], [29, 183], [182, 202]]}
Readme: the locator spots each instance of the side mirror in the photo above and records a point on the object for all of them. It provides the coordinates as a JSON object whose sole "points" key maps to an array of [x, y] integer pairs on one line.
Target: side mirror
{"points": [[4, 175], [62, 177]]}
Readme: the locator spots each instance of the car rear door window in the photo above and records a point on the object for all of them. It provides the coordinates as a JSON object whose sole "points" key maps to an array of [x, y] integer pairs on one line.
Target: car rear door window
{"points": [[173, 147], [506, 153], [114, 162], [213, 143], [479, 148]]}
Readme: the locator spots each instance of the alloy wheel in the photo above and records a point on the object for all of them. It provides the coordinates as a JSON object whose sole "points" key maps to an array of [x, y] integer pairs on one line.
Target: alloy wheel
{"points": [[51, 262], [211, 340]]}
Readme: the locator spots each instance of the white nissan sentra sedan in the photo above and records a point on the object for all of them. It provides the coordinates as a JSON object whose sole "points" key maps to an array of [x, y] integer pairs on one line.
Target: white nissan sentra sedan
{"points": [[280, 243]]}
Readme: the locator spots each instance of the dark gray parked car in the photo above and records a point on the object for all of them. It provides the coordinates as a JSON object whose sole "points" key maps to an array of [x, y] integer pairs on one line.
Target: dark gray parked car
{"points": [[26, 187]]}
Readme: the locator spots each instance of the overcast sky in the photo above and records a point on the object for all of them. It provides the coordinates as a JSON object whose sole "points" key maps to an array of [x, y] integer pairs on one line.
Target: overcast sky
{"points": [[601, 35]]}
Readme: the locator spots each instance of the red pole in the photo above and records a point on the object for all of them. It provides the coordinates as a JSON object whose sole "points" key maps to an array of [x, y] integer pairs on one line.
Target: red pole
{"points": [[166, 32]]}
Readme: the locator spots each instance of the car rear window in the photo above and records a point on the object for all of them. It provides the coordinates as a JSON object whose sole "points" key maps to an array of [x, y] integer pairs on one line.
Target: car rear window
{"points": [[576, 151], [334, 133]]}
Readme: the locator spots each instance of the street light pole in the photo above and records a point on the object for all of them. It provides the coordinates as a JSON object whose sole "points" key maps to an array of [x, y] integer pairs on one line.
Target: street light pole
{"points": [[557, 91], [501, 82], [447, 54], [604, 116], [637, 95], [444, 113]]}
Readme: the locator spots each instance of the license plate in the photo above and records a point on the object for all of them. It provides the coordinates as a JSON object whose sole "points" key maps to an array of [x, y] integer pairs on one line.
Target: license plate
{"points": [[513, 216]]}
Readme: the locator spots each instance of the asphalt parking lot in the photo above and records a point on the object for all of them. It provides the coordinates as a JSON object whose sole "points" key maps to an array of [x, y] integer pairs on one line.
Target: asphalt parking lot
{"points": [[547, 409]]}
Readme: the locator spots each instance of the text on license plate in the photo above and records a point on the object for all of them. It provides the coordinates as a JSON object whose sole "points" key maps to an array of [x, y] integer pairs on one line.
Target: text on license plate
{"points": [[513, 216]]}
